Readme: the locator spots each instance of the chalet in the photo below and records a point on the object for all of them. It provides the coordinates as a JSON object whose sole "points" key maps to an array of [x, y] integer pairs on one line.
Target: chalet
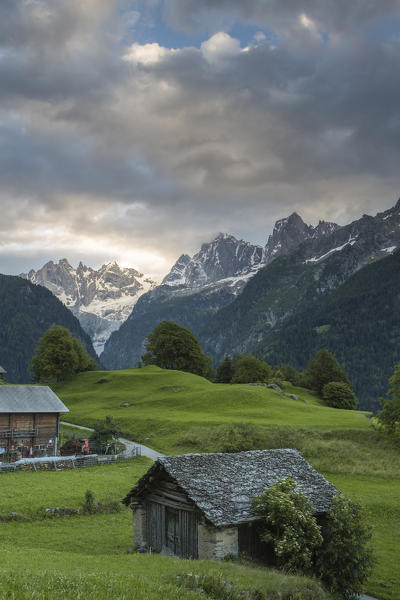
{"points": [[200, 505], [29, 421]]}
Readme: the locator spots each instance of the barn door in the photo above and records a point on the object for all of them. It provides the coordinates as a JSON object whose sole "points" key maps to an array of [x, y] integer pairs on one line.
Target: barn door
{"points": [[172, 530]]}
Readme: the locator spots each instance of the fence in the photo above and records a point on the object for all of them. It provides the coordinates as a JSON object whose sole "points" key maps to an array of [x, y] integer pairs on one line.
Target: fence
{"points": [[59, 463]]}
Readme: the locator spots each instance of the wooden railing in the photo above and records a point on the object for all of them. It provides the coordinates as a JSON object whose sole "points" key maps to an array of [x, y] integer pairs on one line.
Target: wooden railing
{"points": [[13, 433]]}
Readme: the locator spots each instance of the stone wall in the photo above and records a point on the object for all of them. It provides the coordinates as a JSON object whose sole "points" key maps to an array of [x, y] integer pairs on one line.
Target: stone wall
{"points": [[215, 543], [139, 528]]}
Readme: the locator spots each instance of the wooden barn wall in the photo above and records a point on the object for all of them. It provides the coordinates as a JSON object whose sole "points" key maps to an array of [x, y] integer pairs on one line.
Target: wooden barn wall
{"points": [[251, 544], [166, 501]]}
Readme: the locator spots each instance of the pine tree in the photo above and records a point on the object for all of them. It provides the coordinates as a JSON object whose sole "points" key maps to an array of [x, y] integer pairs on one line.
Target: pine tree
{"points": [[225, 371], [323, 369]]}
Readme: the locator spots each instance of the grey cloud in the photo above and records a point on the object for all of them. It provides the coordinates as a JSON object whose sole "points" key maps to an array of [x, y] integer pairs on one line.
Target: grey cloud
{"points": [[165, 153], [338, 16]]}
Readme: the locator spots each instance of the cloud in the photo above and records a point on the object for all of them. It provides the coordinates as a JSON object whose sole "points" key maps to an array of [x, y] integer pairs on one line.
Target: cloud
{"points": [[111, 146], [219, 47]]}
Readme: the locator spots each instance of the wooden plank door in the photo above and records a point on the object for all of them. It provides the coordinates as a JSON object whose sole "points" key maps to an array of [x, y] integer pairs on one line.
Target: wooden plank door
{"points": [[172, 530]]}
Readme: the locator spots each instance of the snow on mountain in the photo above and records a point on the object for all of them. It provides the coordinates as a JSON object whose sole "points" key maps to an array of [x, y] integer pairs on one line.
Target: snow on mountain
{"points": [[101, 299], [223, 258]]}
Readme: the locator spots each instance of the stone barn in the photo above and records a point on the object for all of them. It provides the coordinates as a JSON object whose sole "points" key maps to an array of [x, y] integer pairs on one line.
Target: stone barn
{"points": [[29, 421], [200, 505]]}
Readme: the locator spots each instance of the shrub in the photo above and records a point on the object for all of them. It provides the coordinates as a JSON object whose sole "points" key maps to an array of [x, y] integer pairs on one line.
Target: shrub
{"points": [[338, 551], [249, 369], [339, 395], [289, 526], [345, 558], [89, 505], [238, 437]]}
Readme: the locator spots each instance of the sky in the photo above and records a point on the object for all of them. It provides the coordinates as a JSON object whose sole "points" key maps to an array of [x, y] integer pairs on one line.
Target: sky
{"points": [[137, 130]]}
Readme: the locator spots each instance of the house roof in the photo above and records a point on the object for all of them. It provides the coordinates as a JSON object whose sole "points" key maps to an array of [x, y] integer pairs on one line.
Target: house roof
{"points": [[223, 485], [2, 371], [29, 399]]}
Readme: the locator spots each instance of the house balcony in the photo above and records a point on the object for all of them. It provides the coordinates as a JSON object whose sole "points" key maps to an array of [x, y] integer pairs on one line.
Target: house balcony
{"points": [[18, 433]]}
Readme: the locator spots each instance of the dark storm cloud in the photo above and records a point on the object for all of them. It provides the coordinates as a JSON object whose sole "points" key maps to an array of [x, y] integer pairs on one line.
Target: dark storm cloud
{"points": [[334, 16], [109, 146]]}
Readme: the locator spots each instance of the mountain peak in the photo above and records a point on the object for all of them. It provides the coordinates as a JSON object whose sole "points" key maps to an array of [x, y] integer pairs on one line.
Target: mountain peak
{"points": [[101, 299]]}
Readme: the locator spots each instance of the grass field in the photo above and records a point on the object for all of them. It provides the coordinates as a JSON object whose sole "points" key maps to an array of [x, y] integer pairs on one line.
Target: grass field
{"points": [[85, 557], [25, 492], [164, 405], [176, 412]]}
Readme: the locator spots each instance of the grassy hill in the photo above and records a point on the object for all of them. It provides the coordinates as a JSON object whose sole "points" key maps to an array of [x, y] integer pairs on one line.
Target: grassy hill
{"points": [[177, 412], [164, 406]]}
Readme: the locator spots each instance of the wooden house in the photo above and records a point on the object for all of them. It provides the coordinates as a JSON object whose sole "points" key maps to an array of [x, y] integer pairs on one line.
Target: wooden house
{"points": [[200, 505], [29, 421]]}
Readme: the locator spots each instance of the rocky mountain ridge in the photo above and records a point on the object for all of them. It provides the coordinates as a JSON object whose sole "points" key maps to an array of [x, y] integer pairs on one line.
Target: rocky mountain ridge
{"points": [[199, 286], [101, 299], [254, 298]]}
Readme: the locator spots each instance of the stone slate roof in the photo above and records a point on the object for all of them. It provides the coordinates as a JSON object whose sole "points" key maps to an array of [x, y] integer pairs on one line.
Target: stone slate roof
{"points": [[2, 371], [29, 399], [222, 485]]}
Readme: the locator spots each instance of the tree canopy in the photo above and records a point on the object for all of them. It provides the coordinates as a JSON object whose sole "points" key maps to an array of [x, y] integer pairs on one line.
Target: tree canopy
{"points": [[59, 355], [389, 416], [323, 369], [171, 346], [249, 369], [225, 371], [339, 395]]}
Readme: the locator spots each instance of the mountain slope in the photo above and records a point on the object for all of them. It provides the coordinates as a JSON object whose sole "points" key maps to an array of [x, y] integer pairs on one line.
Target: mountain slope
{"points": [[101, 299], [359, 322], [290, 284], [26, 312], [244, 311], [197, 287]]}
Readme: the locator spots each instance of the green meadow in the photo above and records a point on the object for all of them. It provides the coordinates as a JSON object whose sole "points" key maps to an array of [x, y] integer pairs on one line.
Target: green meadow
{"points": [[173, 412], [26, 492], [86, 556], [164, 405]]}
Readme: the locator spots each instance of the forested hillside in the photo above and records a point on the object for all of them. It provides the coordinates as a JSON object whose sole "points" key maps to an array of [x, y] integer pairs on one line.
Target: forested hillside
{"points": [[26, 312], [359, 322]]}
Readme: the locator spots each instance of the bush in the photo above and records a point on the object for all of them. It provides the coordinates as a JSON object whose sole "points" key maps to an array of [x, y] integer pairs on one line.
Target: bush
{"points": [[344, 561], [238, 437], [249, 369], [339, 395], [338, 551], [289, 526]]}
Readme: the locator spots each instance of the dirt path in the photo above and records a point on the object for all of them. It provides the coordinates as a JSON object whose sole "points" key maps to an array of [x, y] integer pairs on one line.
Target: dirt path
{"points": [[144, 450]]}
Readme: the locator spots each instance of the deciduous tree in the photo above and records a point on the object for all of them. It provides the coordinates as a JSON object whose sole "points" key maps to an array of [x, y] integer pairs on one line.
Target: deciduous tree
{"points": [[389, 416], [225, 371], [323, 369], [59, 355], [339, 395], [171, 346], [249, 369]]}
